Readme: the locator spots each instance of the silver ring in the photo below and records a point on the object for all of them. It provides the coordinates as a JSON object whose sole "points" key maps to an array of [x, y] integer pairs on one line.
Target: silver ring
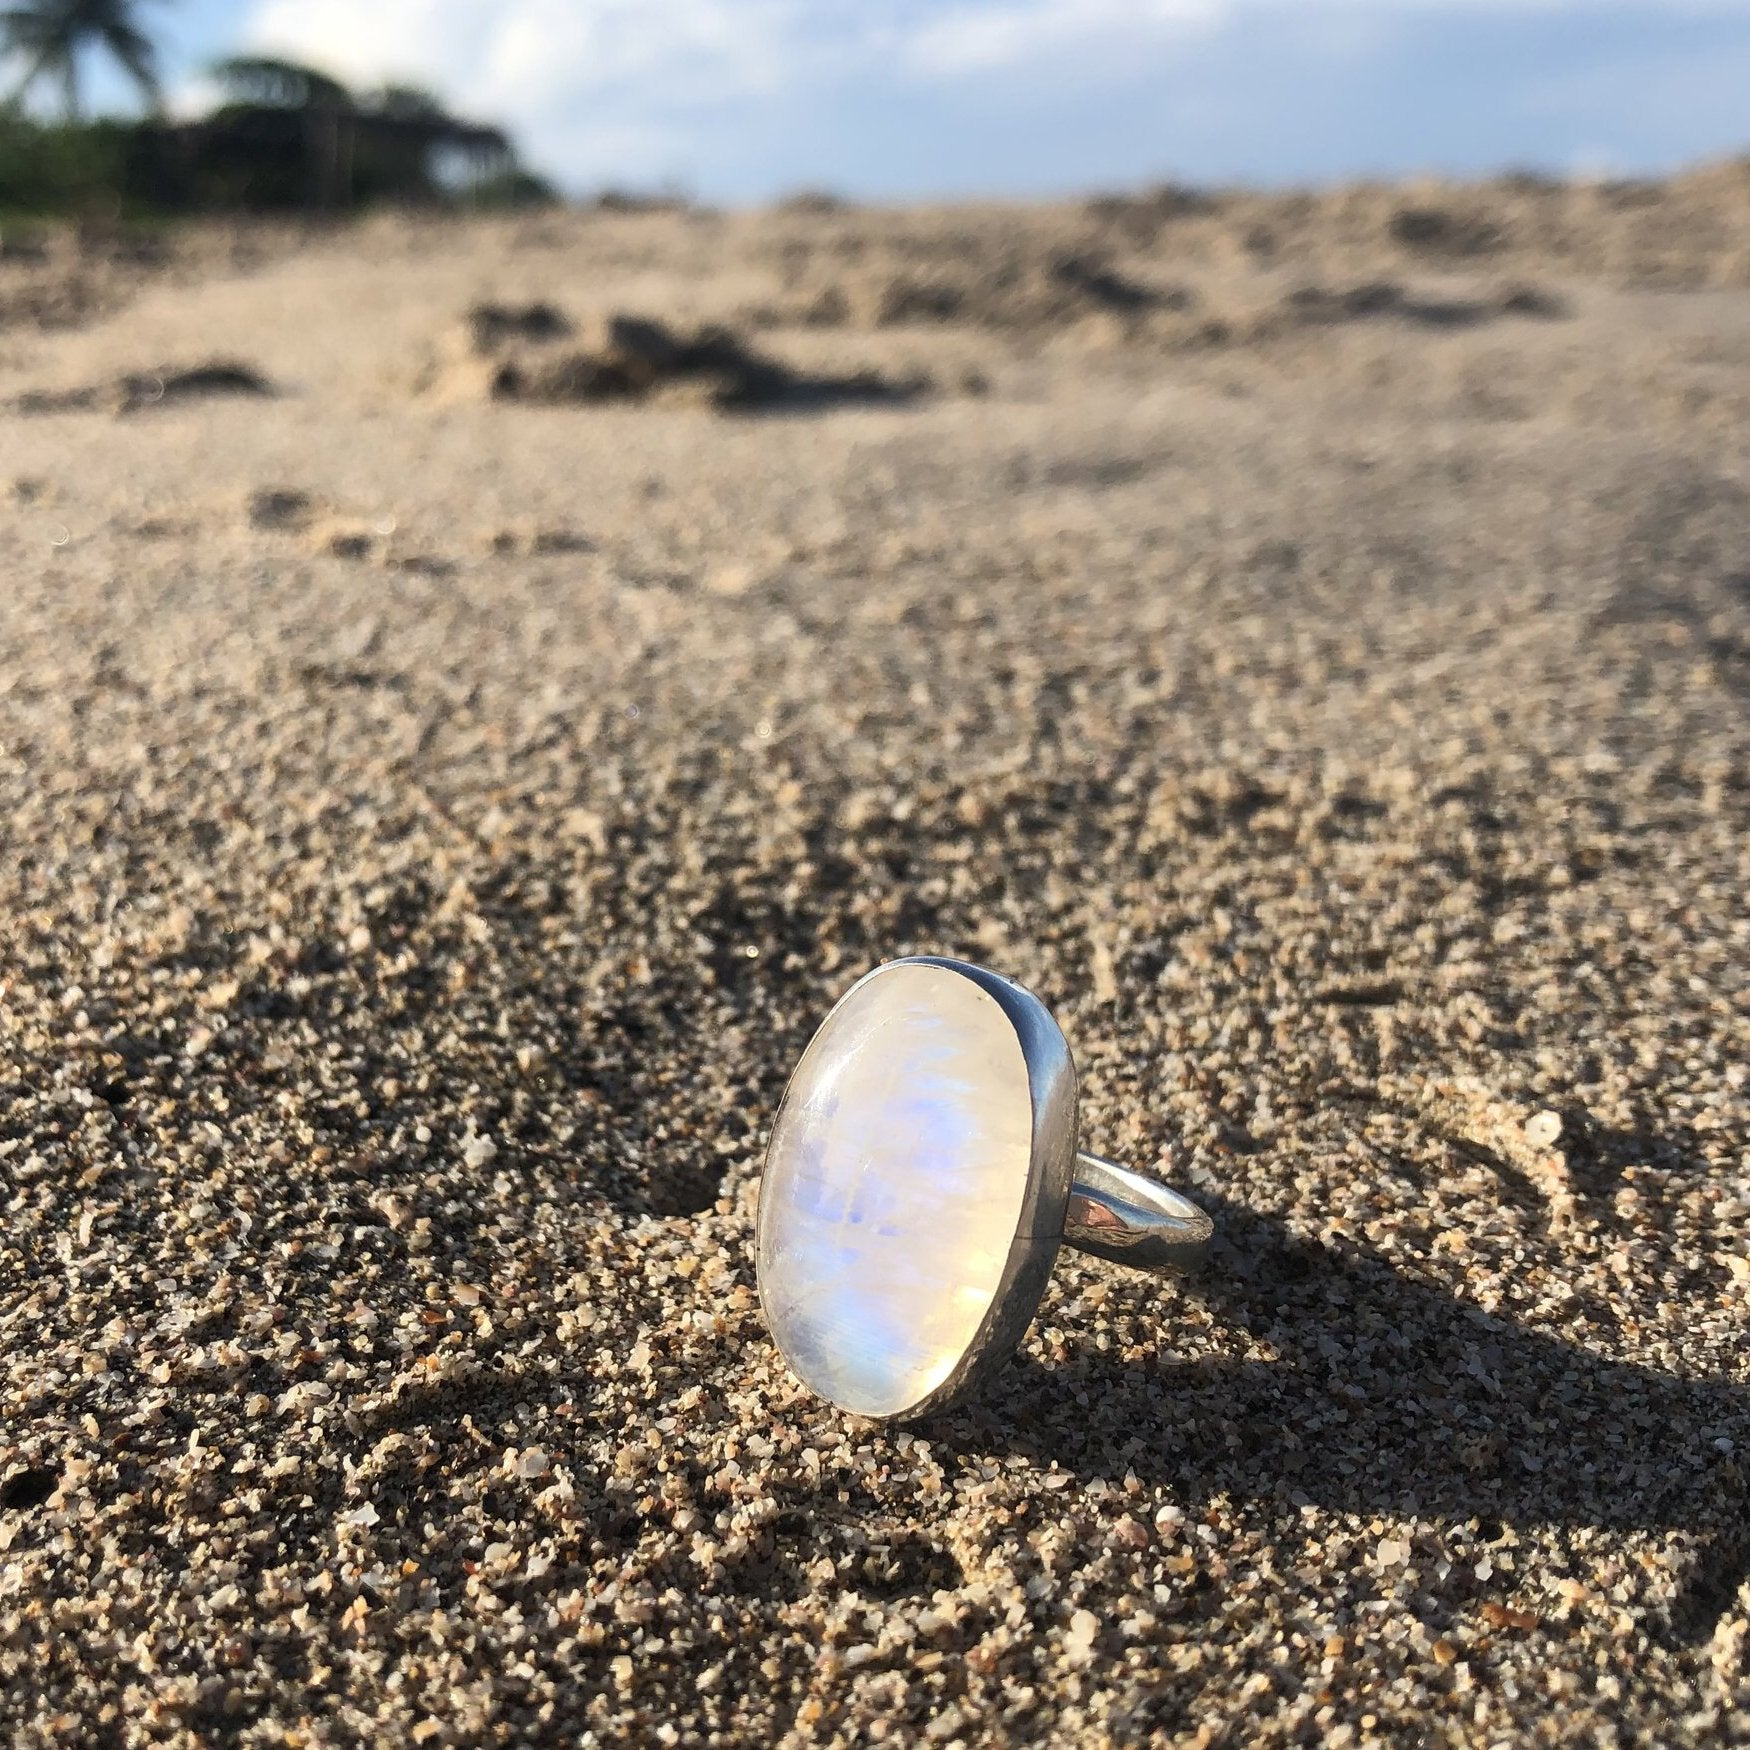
{"points": [[922, 1172]]}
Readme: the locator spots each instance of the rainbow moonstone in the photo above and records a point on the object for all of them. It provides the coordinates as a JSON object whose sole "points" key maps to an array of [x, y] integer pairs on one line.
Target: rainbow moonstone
{"points": [[894, 1187]]}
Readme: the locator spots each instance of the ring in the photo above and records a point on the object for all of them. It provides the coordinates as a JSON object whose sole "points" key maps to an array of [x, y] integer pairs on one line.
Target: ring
{"points": [[921, 1174]]}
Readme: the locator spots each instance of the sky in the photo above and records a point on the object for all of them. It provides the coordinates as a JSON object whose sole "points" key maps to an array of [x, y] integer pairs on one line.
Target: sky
{"points": [[743, 100]]}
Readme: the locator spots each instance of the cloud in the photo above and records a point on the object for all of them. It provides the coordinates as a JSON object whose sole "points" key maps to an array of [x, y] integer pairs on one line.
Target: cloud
{"points": [[992, 38], [672, 53], [749, 96], [980, 36], [605, 88], [429, 39], [534, 52]]}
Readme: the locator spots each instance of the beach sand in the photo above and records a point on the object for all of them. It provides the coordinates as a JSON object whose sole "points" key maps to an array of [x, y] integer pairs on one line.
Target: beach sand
{"points": [[450, 762]]}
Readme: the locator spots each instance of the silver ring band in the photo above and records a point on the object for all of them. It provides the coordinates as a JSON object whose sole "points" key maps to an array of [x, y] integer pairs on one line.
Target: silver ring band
{"points": [[1117, 1214]]}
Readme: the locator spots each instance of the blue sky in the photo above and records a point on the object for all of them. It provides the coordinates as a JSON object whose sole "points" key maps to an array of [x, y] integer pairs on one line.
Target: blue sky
{"points": [[739, 100]]}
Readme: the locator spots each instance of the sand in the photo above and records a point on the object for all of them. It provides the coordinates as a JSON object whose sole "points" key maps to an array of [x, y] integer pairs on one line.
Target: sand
{"points": [[1307, 639]]}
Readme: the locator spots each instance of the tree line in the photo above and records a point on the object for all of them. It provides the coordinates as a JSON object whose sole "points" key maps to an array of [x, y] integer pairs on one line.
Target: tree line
{"points": [[281, 137]]}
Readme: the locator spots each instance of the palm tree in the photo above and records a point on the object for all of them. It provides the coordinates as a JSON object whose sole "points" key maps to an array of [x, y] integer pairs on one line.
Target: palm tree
{"points": [[329, 111], [51, 35]]}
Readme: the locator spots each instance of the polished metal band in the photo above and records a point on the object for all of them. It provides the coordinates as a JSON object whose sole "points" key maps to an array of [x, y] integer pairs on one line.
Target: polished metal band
{"points": [[1117, 1214]]}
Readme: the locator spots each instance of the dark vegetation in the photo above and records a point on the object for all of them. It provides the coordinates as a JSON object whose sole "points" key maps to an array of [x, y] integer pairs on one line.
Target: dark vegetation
{"points": [[281, 138]]}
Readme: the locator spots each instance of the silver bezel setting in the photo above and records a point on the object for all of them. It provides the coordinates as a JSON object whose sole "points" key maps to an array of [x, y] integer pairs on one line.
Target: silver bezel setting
{"points": [[1051, 1083]]}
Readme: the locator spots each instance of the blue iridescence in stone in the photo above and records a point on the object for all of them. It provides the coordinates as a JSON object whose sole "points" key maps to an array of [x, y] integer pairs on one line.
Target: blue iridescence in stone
{"points": [[893, 1188]]}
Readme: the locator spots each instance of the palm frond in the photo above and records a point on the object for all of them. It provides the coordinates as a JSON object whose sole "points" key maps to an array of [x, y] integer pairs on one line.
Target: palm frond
{"points": [[137, 56], [44, 62], [20, 27], [51, 34]]}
